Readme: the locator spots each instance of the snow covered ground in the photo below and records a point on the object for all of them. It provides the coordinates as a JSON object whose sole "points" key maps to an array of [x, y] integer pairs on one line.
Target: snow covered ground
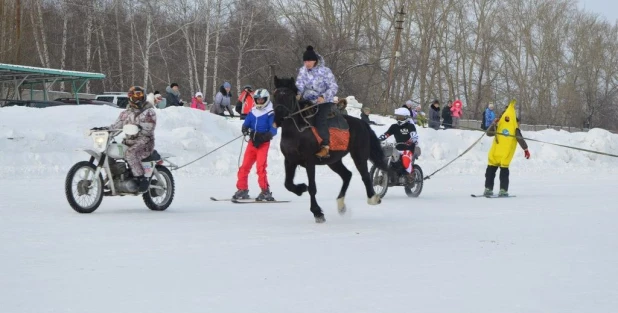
{"points": [[550, 249]]}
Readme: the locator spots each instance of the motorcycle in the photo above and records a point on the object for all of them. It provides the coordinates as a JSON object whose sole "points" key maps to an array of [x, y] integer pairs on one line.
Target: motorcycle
{"points": [[395, 176], [108, 174]]}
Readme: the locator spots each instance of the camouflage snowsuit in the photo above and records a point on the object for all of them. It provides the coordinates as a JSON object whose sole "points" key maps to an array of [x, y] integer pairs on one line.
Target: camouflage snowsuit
{"points": [[142, 144]]}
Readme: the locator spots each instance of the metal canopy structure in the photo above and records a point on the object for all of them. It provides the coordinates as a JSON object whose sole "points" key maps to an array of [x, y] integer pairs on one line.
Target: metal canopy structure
{"points": [[20, 75]]}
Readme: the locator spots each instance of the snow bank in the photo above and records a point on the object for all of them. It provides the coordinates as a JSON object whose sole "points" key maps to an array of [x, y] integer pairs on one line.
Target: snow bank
{"points": [[35, 142]]}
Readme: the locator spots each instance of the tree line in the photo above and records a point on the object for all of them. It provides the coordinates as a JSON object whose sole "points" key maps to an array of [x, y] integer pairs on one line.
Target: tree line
{"points": [[559, 62]]}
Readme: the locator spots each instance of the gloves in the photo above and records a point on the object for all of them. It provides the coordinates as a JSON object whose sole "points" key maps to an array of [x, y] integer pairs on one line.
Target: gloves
{"points": [[382, 138], [260, 138], [245, 131], [527, 154]]}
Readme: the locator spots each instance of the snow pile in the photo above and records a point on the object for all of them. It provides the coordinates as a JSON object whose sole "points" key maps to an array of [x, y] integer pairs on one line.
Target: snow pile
{"points": [[35, 142]]}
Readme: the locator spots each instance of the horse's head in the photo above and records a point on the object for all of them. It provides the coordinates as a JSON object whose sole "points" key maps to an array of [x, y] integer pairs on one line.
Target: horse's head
{"points": [[284, 98]]}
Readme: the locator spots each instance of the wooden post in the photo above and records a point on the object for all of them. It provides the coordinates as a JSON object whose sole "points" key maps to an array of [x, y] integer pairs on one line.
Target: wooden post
{"points": [[395, 54]]}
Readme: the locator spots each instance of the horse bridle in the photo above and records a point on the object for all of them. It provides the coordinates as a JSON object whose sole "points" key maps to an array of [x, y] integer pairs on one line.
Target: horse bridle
{"points": [[298, 111]]}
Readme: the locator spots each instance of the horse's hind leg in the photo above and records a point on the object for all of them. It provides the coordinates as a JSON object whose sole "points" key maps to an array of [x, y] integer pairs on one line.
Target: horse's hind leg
{"points": [[361, 165], [290, 172], [346, 176], [315, 208]]}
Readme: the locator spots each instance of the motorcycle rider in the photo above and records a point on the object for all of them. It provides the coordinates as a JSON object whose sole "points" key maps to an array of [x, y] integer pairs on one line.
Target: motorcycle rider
{"points": [[406, 140], [140, 112]]}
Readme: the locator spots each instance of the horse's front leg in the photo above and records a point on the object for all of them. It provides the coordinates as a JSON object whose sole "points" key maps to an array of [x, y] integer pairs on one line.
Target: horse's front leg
{"points": [[290, 172], [315, 208]]}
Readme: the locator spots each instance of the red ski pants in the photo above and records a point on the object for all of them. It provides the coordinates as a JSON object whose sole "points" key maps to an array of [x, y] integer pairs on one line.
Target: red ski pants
{"points": [[253, 155], [407, 158]]}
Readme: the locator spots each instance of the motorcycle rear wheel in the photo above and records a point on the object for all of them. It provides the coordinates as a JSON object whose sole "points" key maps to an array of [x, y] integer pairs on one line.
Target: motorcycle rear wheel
{"points": [[160, 197], [418, 183]]}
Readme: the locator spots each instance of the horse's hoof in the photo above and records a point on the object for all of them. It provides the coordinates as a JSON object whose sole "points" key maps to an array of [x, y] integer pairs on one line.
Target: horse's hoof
{"points": [[341, 207], [375, 200], [320, 219]]}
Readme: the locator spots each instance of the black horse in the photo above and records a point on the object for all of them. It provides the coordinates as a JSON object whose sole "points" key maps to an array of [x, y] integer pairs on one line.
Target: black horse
{"points": [[299, 145]]}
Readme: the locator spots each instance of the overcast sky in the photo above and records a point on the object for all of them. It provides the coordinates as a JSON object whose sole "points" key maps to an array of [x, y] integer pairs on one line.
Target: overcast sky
{"points": [[606, 8]]}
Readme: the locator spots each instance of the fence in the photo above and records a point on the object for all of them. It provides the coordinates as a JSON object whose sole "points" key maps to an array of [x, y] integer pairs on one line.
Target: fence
{"points": [[474, 124]]}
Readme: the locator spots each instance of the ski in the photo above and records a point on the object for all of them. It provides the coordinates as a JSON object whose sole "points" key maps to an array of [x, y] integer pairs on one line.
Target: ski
{"points": [[215, 199], [255, 201], [493, 196]]}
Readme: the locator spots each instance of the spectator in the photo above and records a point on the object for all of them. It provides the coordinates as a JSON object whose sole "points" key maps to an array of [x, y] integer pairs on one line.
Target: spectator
{"points": [[365, 116], [158, 100], [408, 105], [245, 102], [342, 104], [456, 112], [447, 117], [488, 116], [222, 101], [173, 96], [434, 115], [197, 102], [421, 118]]}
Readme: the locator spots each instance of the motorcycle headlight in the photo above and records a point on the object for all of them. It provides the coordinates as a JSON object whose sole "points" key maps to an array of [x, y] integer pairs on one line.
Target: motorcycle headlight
{"points": [[100, 141]]}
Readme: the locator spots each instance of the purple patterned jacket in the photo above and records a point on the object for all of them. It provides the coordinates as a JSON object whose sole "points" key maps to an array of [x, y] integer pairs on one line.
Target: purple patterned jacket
{"points": [[316, 82]]}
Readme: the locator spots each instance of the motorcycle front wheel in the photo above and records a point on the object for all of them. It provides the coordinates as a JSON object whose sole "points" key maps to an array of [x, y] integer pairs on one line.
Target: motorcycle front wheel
{"points": [[379, 181], [83, 191], [161, 191]]}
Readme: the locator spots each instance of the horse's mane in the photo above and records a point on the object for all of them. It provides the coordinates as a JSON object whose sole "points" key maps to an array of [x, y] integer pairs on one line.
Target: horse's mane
{"points": [[289, 83]]}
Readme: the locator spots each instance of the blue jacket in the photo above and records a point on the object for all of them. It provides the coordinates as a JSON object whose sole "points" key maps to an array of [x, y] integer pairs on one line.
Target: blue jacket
{"points": [[490, 115], [261, 121]]}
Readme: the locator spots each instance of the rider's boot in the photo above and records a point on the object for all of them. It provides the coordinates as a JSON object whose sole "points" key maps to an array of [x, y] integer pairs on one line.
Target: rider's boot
{"points": [[142, 184], [323, 153]]}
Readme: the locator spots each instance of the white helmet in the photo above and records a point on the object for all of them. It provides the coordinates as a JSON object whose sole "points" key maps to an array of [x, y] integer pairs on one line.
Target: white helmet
{"points": [[402, 115], [261, 94]]}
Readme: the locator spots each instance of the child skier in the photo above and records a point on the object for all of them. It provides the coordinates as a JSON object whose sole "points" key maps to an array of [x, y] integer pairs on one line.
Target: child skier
{"points": [[503, 149], [406, 139], [258, 126]]}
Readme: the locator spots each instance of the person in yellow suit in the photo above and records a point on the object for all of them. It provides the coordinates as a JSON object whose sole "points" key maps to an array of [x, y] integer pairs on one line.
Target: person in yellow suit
{"points": [[506, 133]]}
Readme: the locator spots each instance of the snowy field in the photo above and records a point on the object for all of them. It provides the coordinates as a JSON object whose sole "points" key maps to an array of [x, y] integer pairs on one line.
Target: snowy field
{"points": [[553, 248]]}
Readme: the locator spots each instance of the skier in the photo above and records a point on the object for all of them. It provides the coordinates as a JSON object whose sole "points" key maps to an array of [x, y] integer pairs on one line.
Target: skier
{"points": [[258, 125], [503, 149], [406, 139], [141, 113]]}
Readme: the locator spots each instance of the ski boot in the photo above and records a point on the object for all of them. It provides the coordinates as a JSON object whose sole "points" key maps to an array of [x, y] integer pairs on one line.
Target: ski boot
{"points": [[488, 192], [503, 193], [241, 194], [265, 195]]}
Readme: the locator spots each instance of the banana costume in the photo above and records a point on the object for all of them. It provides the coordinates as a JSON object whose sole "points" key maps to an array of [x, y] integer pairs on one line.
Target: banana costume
{"points": [[507, 135], [503, 148]]}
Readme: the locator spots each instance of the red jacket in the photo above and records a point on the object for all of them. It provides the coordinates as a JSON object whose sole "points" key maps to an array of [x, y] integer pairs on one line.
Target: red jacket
{"points": [[195, 104], [246, 104]]}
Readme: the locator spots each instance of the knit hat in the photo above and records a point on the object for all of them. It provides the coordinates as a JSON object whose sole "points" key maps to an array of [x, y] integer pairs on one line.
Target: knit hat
{"points": [[198, 94], [227, 85], [409, 103], [310, 55]]}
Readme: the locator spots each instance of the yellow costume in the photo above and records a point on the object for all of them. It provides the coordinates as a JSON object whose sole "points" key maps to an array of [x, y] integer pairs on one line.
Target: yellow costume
{"points": [[503, 148], [507, 135]]}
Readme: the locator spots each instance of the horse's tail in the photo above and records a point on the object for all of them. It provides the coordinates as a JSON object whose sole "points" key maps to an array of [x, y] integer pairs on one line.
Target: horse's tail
{"points": [[376, 155]]}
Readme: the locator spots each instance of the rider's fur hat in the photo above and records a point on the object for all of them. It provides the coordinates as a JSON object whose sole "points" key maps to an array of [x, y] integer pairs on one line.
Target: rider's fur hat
{"points": [[310, 55]]}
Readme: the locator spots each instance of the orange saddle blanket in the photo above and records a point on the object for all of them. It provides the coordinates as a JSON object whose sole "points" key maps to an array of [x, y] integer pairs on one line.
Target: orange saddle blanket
{"points": [[339, 138]]}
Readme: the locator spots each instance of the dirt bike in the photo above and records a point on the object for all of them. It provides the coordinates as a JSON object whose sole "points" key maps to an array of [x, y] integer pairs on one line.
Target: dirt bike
{"points": [[395, 177], [108, 174]]}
